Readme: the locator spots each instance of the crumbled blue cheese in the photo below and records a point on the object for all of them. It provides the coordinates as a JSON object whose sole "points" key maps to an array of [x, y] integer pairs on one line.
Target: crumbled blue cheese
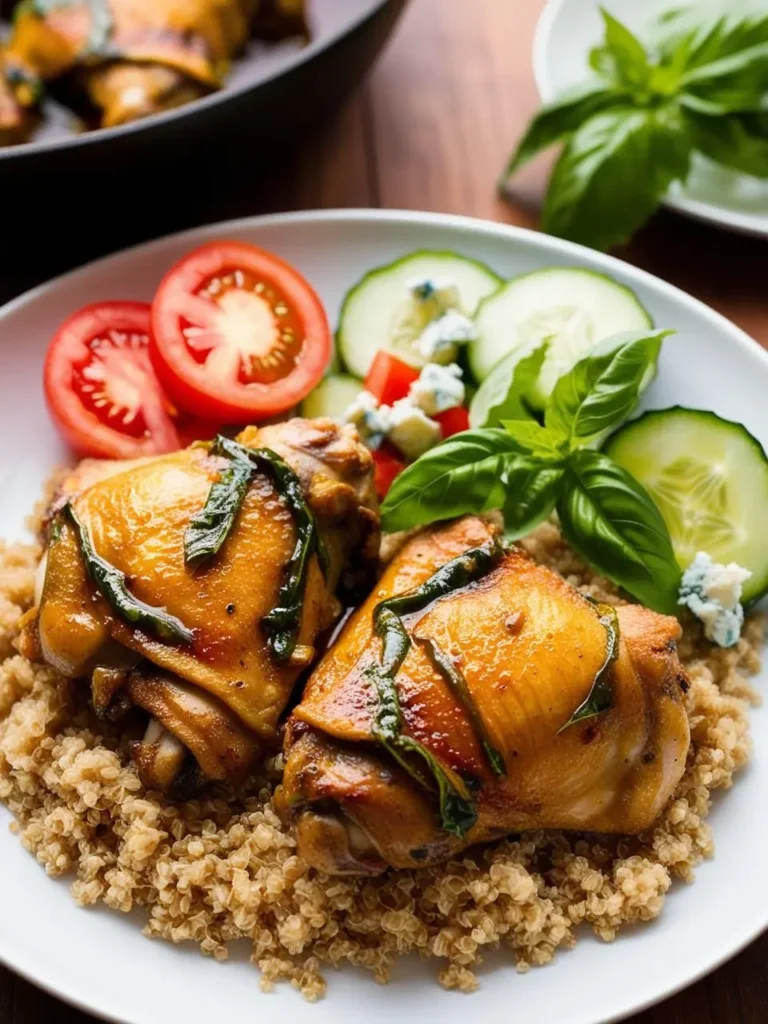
{"points": [[411, 430], [371, 419], [438, 389], [440, 292], [712, 591], [438, 341]]}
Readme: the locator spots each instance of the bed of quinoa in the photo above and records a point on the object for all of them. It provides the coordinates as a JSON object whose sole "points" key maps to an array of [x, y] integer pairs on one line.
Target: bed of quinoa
{"points": [[222, 867]]}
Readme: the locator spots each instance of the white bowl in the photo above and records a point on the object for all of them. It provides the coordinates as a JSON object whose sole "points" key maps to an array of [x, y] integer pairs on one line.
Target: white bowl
{"points": [[567, 30], [99, 960]]}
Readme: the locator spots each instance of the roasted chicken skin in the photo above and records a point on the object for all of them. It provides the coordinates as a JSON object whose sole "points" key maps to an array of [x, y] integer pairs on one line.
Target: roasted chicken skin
{"points": [[218, 692], [131, 58], [529, 648]]}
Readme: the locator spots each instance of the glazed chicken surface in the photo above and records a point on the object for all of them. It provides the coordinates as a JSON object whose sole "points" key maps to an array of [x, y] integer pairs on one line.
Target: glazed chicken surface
{"points": [[528, 647], [215, 697]]}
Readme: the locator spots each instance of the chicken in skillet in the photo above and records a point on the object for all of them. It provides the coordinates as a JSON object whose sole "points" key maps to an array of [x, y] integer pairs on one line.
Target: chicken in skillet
{"points": [[476, 693], [131, 58], [197, 585]]}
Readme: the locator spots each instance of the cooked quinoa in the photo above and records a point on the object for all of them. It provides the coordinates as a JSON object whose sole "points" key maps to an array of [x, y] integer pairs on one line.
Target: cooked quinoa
{"points": [[223, 867]]}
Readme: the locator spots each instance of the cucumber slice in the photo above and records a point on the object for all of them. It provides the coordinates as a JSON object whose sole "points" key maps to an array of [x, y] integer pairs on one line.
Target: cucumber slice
{"points": [[379, 312], [332, 396], [709, 477], [573, 308]]}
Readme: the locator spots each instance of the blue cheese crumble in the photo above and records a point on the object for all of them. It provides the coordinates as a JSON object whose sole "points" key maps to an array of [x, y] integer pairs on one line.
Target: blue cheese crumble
{"points": [[440, 292], [371, 419], [438, 342], [411, 430], [408, 424], [712, 591], [438, 389]]}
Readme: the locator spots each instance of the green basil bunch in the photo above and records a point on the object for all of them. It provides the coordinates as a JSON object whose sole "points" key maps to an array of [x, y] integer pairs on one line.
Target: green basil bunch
{"points": [[529, 469], [628, 132]]}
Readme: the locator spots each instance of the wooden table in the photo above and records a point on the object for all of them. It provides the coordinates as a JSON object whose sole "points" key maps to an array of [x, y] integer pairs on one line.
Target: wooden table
{"points": [[430, 130]]}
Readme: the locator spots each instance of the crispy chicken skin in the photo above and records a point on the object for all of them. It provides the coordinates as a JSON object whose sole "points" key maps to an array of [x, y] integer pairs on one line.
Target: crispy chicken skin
{"points": [[219, 696], [131, 58], [529, 646]]}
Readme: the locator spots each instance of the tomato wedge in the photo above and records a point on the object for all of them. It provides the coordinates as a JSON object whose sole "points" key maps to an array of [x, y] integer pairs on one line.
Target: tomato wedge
{"points": [[387, 465], [100, 387], [389, 378], [238, 335], [453, 421]]}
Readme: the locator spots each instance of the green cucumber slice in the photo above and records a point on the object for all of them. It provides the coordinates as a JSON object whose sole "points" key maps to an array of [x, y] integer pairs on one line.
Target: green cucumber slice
{"points": [[332, 396], [379, 312], [573, 308], [709, 478]]}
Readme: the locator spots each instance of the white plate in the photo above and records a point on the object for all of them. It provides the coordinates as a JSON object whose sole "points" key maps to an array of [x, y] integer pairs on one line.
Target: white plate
{"points": [[566, 32], [99, 959]]}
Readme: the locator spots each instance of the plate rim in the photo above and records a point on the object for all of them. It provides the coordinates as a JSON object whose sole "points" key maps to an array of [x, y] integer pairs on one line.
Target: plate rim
{"points": [[313, 49], [559, 248], [755, 225]]}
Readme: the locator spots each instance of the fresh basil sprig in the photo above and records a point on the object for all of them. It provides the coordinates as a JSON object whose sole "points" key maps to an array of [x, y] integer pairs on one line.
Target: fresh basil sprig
{"points": [[528, 470], [629, 131]]}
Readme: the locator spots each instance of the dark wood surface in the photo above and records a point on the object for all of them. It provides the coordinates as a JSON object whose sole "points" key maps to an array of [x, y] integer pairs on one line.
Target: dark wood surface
{"points": [[430, 130]]}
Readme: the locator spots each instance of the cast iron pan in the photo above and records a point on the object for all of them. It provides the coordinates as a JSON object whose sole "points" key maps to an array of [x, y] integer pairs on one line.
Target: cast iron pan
{"points": [[67, 197]]}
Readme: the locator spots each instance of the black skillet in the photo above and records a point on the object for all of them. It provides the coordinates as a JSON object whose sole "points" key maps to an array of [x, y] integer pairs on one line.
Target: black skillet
{"points": [[66, 196]]}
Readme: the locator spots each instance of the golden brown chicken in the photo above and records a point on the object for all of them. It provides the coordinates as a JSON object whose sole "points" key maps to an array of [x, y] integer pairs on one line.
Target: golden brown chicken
{"points": [[16, 116], [131, 58], [196, 586], [474, 694]]}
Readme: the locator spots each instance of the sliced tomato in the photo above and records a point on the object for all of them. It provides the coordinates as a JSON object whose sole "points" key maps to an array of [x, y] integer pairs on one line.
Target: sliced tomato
{"points": [[238, 335], [389, 378], [101, 390], [387, 464], [453, 421]]}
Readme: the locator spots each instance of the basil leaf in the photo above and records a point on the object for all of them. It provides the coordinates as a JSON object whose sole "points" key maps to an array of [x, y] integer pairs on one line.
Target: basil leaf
{"points": [[457, 813], [735, 83], [613, 172], [614, 524], [532, 489], [558, 119], [458, 686], [710, 39], [111, 584], [464, 474], [622, 59], [602, 389], [537, 441], [733, 140], [502, 394], [281, 625], [209, 528], [600, 696]]}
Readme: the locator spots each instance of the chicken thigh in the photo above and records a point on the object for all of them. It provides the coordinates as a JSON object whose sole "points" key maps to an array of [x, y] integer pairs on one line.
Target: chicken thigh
{"points": [[474, 694], [208, 640]]}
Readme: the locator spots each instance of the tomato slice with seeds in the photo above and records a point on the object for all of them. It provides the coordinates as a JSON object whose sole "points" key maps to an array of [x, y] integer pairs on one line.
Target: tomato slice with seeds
{"points": [[101, 389], [238, 334]]}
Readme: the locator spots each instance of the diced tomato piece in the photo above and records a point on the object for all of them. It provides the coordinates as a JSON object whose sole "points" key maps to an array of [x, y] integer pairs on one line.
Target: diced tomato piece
{"points": [[453, 421], [389, 377], [387, 464]]}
